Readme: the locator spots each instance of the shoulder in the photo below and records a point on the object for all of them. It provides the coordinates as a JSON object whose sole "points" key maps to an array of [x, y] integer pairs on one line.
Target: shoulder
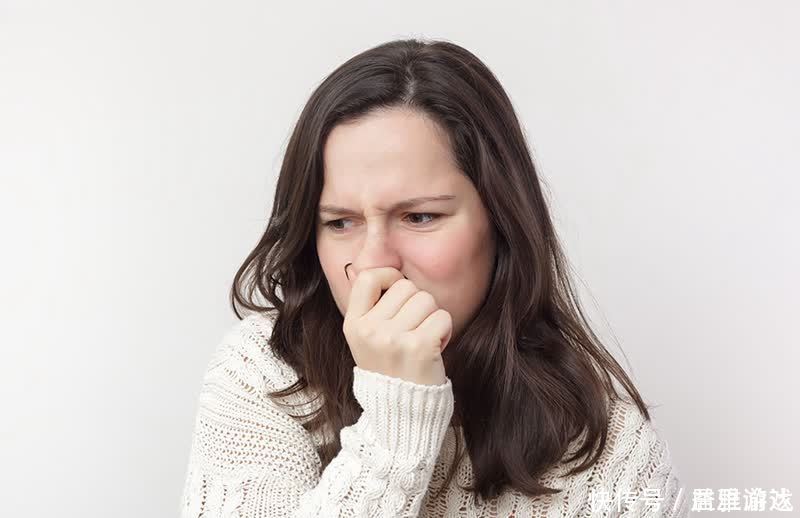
{"points": [[244, 365], [239, 428], [630, 433], [244, 353], [637, 459]]}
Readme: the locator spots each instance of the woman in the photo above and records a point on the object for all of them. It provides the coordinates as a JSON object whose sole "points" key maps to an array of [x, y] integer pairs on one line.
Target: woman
{"points": [[426, 354]]}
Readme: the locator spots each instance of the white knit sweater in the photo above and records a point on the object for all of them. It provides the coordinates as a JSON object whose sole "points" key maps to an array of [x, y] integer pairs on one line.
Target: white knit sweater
{"points": [[252, 458]]}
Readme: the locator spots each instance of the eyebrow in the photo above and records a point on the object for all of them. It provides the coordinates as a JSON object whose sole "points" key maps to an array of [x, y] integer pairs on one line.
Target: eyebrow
{"points": [[405, 204]]}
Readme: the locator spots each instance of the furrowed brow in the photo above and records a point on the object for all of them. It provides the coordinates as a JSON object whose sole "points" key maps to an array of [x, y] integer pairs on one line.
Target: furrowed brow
{"points": [[402, 205]]}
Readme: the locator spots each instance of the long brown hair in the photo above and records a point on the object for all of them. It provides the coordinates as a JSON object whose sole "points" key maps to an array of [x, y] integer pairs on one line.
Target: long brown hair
{"points": [[529, 374]]}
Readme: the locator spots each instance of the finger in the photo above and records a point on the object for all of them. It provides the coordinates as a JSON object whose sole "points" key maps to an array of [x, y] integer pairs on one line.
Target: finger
{"points": [[367, 289], [415, 311], [393, 300], [439, 324]]}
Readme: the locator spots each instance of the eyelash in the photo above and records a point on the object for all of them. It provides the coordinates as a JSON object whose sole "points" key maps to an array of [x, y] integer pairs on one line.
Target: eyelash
{"points": [[434, 216]]}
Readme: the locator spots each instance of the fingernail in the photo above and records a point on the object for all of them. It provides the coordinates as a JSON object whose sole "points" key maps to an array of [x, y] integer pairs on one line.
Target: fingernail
{"points": [[345, 271]]}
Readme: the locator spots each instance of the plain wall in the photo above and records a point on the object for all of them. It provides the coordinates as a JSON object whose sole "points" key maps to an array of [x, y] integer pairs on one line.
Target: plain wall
{"points": [[140, 143]]}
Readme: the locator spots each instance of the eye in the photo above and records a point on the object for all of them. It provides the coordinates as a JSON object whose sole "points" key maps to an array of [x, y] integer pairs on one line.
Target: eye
{"points": [[333, 224], [433, 216]]}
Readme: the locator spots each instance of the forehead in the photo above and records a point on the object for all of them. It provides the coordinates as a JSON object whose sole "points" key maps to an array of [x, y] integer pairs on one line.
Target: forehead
{"points": [[389, 151]]}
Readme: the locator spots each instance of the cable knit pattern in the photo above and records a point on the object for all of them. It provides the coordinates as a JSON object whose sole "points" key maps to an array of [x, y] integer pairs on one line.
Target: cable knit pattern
{"points": [[251, 458]]}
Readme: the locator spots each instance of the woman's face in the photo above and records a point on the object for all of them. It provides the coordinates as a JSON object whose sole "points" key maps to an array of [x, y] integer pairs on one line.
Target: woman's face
{"points": [[446, 247]]}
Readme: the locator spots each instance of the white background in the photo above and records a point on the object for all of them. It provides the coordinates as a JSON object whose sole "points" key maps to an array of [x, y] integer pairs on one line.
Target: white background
{"points": [[139, 145]]}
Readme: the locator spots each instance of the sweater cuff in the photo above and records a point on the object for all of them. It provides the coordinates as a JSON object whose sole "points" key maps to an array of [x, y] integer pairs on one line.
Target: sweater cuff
{"points": [[406, 418]]}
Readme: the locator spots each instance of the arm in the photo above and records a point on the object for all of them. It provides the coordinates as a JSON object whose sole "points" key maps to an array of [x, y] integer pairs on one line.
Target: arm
{"points": [[248, 456]]}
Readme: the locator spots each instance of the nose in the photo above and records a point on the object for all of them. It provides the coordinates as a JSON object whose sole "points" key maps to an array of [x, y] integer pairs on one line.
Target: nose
{"points": [[376, 252]]}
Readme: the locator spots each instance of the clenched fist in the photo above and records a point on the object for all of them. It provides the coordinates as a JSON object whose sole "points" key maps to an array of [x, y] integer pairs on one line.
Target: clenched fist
{"points": [[400, 334]]}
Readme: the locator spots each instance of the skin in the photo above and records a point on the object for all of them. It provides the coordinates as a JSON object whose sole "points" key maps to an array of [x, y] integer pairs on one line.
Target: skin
{"points": [[446, 248]]}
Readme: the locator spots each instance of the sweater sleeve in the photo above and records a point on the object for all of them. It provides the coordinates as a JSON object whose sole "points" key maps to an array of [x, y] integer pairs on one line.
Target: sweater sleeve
{"points": [[250, 459]]}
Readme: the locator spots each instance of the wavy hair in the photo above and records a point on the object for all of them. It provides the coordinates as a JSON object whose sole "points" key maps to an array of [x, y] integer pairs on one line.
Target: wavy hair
{"points": [[529, 374]]}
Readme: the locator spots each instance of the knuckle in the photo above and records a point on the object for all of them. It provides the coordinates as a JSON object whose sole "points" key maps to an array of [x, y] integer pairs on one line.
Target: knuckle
{"points": [[374, 336], [410, 341], [365, 332], [444, 315], [426, 298]]}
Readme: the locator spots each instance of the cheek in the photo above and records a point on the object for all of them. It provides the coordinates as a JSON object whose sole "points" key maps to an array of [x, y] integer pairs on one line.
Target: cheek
{"points": [[453, 269], [331, 262], [446, 262]]}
